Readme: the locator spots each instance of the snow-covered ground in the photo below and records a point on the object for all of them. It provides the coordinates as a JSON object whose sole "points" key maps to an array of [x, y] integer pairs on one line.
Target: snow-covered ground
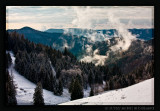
{"points": [[25, 89], [138, 94]]}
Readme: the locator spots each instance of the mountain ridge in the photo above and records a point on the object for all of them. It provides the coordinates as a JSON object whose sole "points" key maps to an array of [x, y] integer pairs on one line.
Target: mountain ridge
{"points": [[74, 42]]}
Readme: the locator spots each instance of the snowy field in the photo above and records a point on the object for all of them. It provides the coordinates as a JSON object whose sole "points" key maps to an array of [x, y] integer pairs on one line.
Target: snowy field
{"points": [[25, 89], [138, 94]]}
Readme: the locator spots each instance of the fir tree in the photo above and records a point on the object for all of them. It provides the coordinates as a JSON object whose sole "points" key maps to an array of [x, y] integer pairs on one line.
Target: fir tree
{"points": [[65, 51], [60, 87], [91, 92], [58, 73], [79, 77], [8, 60], [71, 85], [56, 88], [110, 85], [77, 91], [91, 78], [10, 90], [96, 78], [38, 95]]}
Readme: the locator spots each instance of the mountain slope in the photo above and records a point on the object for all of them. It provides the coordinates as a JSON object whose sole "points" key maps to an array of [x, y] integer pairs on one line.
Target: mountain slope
{"points": [[57, 40], [138, 94], [75, 39], [145, 34], [138, 54], [25, 90], [38, 36]]}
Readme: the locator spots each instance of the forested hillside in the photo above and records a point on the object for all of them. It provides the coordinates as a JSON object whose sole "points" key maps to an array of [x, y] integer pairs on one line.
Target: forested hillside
{"points": [[75, 39], [35, 61]]}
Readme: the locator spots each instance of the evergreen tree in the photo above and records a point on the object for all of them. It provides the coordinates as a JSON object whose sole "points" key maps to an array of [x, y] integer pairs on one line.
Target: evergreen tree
{"points": [[77, 91], [56, 88], [106, 86], [110, 85], [60, 87], [7, 65], [79, 77], [38, 95], [91, 78], [8, 60], [10, 90], [65, 51], [91, 92], [124, 82], [96, 78], [71, 85], [58, 73], [131, 79]]}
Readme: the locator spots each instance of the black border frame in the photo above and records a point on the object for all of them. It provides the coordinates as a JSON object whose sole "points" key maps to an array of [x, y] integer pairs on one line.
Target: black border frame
{"points": [[155, 3]]}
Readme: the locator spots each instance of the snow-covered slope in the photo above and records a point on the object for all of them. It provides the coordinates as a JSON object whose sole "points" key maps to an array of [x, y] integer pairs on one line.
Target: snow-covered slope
{"points": [[138, 94], [25, 90]]}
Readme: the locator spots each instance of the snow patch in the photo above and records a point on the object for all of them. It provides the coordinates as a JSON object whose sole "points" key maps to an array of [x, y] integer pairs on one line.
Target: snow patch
{"points": [[138, 94]]}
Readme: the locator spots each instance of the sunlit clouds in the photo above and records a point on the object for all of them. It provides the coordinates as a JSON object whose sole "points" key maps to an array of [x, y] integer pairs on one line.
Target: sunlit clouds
{"points": [[45, 17]]}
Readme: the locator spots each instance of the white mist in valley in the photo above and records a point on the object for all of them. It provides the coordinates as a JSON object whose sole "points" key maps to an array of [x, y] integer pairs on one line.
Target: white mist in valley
{"points": [[125, 37], [87, 18]]}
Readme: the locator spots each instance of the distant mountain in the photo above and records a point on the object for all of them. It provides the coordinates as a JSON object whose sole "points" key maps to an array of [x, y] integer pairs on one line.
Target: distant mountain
{"points": [[55, 31], [56, 40], [145, 34], [76, 38], [38, 36]]}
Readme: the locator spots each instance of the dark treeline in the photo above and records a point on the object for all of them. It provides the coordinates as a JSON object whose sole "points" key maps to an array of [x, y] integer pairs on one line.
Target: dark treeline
{"points": [[10, 90], [35, 61], [10, 86]]}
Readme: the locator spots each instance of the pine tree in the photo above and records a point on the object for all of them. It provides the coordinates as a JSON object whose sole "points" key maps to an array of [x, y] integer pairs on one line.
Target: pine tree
{"points": [[7, 65], [60, 87], [77, 91], [8, 60], [65, 51], [79, 77], [96, 78], [58, 73], [110, 85], [38, 95], [56, 88], [71, 85], [10, 90], [91, 92], [131, 79], [91, 78]]}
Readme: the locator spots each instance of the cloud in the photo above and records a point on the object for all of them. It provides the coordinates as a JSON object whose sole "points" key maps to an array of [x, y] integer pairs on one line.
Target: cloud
{"points": [[95, 58], [124, 36], [120, 18], [94, 15]]}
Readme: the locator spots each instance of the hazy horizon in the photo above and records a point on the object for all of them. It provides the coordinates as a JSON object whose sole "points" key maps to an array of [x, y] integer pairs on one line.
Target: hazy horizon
{"points": [[89, 17]]}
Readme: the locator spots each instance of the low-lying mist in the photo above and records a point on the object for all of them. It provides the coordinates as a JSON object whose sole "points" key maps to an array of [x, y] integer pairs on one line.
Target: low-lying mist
{"points": [[84, 20]]}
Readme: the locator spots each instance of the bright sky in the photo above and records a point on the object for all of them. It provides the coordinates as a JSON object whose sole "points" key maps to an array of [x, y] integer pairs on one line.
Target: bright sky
{"points": [[95, 17]]}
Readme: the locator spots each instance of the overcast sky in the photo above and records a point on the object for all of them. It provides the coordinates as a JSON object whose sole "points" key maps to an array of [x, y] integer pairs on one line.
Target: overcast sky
{"points": [[95, 17]]}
